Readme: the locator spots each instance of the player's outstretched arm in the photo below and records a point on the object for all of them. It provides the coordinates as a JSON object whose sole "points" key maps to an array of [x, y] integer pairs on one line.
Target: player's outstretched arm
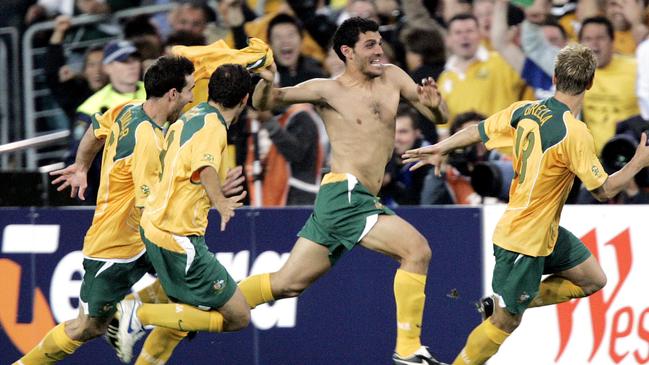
{"points": [[616, 182], [266, 97], [433, 155], [425, 97], [75, 175], [225, 206]]}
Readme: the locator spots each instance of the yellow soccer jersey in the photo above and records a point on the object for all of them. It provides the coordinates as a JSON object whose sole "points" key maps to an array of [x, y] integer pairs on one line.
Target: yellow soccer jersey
{"points": [[489, 85], [130, 168], [550, 147], [611, 99], [180, 205]]}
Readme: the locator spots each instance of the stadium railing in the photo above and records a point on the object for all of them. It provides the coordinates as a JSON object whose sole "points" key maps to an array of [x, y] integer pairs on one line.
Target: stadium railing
{"points": [[39, 108], [9, 89]]}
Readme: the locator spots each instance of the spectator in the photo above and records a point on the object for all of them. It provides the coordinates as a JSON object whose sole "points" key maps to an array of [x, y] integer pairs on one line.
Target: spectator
{"points": [[291, 150], [68, 88], [425, 52], [123, 66], [362, 8], [623, 41], [543, 39], [191, 17], [400, 185], [483, 11], [454, 186], [610, 99], [474, 78], [285, 38]]}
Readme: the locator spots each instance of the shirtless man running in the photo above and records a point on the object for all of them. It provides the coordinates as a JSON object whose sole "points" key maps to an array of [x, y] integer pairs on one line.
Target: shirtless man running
{"points": [[359, 109]]}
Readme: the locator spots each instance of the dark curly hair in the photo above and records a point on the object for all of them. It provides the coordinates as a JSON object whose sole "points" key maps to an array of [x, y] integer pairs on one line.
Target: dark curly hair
{"points": [[348, 32], [166, 73], [229, 84]]}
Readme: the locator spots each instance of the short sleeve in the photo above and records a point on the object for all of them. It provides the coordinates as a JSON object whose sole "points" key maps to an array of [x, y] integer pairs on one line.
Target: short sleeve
{"points": [[208, 145], [582, 159], [497, 131], [102, 123], [145, 162]]}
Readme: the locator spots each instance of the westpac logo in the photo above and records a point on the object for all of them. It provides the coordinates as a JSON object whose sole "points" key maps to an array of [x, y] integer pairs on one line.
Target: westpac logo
{"points": [[611, 315], [65, 283]]}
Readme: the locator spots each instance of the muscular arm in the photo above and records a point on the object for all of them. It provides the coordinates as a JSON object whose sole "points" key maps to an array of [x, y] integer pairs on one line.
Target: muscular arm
{"points": [[89, 146], [212, 185], [436, 113], [617, 182], [266, 97]]}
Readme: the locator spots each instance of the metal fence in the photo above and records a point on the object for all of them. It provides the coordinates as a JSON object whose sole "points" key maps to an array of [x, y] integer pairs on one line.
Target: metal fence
{"points": [[41, 113], [9, 90]]}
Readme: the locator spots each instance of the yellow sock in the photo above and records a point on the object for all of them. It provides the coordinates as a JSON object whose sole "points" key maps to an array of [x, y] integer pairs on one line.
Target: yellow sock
{"points": [[159, 345], [180, 317], [151, 294], [410, 298], [55, 346], [555, 289], [257, 289], [483, 343]]}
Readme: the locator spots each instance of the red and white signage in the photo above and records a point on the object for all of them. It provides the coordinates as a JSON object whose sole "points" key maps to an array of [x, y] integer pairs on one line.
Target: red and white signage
{"points": [[609, 327]]}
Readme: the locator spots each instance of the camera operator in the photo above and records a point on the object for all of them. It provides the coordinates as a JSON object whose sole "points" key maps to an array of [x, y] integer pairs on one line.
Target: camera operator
{"points": [[616, 153]]}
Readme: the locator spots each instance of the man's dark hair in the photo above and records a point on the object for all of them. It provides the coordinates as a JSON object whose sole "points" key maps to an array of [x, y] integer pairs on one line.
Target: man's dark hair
{"points": [[428, 43], [283, 19], [229, 84], [551, 21], [462, 16], [139, 26], [405, 110], [166, 73], [465, 118], [602, 20], [349, 31], [184, 38]]}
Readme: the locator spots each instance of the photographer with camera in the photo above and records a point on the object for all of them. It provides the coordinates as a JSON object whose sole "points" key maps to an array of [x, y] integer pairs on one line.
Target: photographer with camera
{"points": [[616, 153]]}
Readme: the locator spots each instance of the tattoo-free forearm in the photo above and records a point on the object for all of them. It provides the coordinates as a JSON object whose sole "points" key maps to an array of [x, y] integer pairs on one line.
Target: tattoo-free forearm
{"points": [[88, 148], [465, 137], [212, 185], [617, 182], [262, 96]]}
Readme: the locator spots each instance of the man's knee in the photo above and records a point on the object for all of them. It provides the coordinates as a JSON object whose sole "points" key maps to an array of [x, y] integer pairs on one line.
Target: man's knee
{"points": [[595, 284], [418, 251]]}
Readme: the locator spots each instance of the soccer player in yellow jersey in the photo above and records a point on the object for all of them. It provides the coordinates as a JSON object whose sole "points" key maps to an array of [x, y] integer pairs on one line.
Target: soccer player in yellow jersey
{"points": [[550, 147], [175, 218], [114, 255]]}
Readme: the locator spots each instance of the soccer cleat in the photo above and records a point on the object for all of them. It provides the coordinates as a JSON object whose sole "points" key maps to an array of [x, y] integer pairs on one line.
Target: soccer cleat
{"points": [[129, 331], [421, 356], [486, 307], [111, 334]]}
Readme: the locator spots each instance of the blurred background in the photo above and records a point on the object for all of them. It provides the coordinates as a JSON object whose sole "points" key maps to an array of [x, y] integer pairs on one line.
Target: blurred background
{"points": [[484, 54]]}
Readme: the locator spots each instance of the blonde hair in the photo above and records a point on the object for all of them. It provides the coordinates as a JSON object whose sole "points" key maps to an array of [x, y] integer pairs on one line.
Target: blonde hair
{"points": [[574, 69]]}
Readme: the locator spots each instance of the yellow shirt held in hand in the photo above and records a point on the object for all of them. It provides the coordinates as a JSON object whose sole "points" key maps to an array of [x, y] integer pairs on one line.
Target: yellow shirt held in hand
{"points": [[129, 171], [208, 58], [179, 204], [550, 147]]}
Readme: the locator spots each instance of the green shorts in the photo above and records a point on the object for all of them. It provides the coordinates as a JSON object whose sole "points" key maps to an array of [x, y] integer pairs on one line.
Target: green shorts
{"points": [[516, 277], [190, 274], [106, 283], [344, 213]]}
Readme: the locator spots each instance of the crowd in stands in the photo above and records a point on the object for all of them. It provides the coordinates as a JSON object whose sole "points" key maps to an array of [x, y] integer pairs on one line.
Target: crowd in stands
{"points": [[484, 55]]}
